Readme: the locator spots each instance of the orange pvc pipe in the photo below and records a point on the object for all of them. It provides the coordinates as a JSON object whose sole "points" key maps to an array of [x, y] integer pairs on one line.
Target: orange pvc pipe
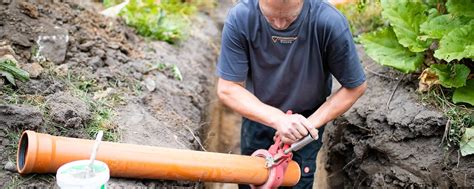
{"points": [[43, 153]]}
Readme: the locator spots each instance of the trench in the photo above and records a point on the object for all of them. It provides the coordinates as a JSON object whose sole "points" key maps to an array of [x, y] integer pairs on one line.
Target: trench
{"points": [[223, 135]]}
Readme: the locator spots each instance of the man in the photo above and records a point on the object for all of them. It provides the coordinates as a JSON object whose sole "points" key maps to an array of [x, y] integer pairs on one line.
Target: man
{"points": [[280, 55]]}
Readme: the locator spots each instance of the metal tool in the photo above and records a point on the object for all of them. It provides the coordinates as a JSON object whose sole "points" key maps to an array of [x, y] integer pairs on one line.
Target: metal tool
{"points": [[294, 147]]}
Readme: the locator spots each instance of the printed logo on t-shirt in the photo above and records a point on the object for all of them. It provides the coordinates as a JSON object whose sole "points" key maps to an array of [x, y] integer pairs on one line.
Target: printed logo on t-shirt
{"points": [[283, 40]]}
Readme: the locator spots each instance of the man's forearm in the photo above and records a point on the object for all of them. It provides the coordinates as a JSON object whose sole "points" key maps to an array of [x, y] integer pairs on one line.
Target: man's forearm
{"points": [[336, 105], [245, 103]]}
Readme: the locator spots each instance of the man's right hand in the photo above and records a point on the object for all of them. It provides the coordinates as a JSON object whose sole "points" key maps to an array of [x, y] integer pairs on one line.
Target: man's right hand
{"points": [[293, 127]]}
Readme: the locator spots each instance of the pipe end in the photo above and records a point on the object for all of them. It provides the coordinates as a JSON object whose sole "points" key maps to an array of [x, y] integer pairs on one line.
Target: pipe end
{"points": [[24, 152]]}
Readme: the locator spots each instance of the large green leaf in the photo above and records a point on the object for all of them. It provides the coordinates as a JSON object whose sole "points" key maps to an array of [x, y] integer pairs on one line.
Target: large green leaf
{"points": [[441, 25], [451, 75], [457, 44], [383, 47], [461, 7], [467, 142], [465, 94], [406, 16]]}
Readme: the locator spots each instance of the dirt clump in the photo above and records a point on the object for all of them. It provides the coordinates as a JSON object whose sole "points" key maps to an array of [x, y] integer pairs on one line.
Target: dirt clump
{"points": [[20, 116], [68, 110], [394, 144]]}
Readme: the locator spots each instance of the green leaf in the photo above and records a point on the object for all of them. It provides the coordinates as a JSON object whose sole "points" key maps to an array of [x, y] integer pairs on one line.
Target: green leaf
{"points": [[441, 25], [457, 44], [9, 77], [405, 17], [451, 75], [465, 94], [467, 142], [176, 73], [383, 47], [461, 7]]}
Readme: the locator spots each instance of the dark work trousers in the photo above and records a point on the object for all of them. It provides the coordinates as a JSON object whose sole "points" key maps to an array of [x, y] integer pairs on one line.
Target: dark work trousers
{"points": [[256, 136]]}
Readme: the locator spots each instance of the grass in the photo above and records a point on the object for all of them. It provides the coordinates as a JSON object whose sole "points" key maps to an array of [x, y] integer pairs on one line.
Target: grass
{"points": [[101, 109], [459, 117], [17, 181]]}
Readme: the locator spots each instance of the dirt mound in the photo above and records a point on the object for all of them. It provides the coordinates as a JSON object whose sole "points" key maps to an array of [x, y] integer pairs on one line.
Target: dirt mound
{"points": [[90, 72], [393, 143], [21, 116]]}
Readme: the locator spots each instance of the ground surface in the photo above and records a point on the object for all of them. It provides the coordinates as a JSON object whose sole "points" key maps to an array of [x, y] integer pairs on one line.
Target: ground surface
{"points": [[91, 66], [395, 145]]}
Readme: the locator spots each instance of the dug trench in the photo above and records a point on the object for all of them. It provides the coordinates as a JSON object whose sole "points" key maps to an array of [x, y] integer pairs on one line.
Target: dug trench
{"points": [[390, 138], [99, 74]]}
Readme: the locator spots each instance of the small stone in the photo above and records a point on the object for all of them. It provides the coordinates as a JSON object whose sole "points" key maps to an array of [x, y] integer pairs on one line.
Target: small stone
{"points": [[29, 9], [150, 84], [34, 69], [5, 142], [86, 46], [73, 123], [113, 45], [20, 39], [98, 52], [6, 49], [10, 166], [96, 62], [102, 94], [53, 44], [62, 70], [110, 61], [137, 75]]}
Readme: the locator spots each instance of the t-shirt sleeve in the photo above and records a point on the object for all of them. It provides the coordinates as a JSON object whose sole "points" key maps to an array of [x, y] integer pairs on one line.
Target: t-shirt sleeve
{"points": [[233, 59], [342, 58]]}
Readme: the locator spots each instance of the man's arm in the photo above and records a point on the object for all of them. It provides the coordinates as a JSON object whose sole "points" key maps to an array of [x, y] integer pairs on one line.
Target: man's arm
{"points": [[291, 127], [336, 105]]}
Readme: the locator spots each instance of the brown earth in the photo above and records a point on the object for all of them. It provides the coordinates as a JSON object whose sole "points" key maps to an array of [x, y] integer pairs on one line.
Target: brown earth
{"points": [[393, 145], [82, 60]]}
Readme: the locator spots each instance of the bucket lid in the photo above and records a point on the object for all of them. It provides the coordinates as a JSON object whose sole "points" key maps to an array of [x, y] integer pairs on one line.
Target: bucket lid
{"points": [[74, 173]]}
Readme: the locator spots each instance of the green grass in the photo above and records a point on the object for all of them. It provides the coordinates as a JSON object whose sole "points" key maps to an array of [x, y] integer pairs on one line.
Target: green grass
{"points": [[101, 110]]}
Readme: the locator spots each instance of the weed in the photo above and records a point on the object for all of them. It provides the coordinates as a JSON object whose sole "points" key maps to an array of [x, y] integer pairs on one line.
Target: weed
{"points": [[9, 69], [102, 112], [176, 73], [459, 117], [167, 21], [162, 67], [13, 137]]}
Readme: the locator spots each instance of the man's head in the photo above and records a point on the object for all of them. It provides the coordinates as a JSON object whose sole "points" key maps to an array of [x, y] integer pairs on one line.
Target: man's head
{"points": [[281, 13]]}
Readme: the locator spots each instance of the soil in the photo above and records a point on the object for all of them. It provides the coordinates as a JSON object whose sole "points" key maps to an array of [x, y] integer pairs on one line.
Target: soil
{"points": [[392, 143], [68, 47]]}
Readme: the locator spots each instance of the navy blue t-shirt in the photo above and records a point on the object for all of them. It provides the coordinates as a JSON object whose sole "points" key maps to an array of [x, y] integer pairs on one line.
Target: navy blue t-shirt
{"points": [[289, 69]]}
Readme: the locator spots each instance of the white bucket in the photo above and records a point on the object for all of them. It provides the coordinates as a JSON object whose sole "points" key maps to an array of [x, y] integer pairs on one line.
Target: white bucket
{"points": [[73, 175]]}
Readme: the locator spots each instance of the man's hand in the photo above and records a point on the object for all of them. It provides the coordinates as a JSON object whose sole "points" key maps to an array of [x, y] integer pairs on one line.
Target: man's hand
{"points": [[293, 127]]}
